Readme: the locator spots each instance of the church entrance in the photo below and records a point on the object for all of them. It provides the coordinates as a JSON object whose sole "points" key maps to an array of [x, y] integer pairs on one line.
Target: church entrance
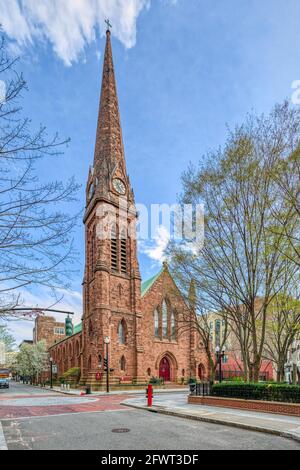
{"points": [[165, 369]]}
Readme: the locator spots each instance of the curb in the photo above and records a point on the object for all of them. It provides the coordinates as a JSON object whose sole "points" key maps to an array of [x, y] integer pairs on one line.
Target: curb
{"points": [[3, 445], [48, 389], [103, 394], [233, 424]]}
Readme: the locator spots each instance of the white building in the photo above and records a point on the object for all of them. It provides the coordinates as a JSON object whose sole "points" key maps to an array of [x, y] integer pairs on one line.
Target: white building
{"points": [[2, 353], [292, 367]]}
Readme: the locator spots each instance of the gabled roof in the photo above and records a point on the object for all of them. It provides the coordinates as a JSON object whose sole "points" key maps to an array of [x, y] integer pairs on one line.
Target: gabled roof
{"points": [[77, 328], [146, 285]]}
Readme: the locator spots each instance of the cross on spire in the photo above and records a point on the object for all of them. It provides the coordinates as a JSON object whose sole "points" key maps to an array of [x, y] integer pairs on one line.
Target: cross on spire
{"points": [[109, 26]]}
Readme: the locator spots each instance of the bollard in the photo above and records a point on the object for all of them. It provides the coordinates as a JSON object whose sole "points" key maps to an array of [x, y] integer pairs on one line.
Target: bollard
{"points": [[149, 395]]}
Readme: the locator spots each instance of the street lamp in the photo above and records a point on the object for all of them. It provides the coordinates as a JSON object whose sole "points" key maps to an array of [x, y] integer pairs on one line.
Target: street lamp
{"points": [[106, 362], [220, 355], [51, 372]]}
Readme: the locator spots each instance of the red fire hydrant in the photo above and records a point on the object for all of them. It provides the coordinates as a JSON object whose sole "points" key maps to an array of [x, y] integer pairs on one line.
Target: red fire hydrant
{"points": [[150, 394]]}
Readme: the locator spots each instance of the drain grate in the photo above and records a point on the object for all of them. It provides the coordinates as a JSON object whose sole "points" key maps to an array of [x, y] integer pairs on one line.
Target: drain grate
{"points": [[120, 430]]}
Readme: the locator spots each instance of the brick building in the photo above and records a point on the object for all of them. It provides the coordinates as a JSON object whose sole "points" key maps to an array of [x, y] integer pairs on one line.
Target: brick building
{"points": [[232, 364], [141, 319], [48, 330]]}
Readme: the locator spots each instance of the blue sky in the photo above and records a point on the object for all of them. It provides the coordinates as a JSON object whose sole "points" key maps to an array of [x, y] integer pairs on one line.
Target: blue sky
{"points": [[185, 70]]}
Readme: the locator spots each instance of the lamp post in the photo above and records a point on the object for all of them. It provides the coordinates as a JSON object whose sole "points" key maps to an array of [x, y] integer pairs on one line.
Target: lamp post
{"points": [[51, 372], [106, 361], [220, 355]]}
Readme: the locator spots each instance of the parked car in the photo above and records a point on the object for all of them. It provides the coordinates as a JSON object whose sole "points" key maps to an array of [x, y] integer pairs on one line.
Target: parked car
{"points": [[4, 378], [4, 383]]}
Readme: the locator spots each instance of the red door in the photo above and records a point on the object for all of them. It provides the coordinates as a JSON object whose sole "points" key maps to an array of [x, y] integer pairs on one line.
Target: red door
{"points": [[164, 370]]}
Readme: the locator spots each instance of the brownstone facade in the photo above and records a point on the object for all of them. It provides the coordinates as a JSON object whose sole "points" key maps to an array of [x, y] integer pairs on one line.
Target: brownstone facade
{"points": [[48, 330], [141, 320]]}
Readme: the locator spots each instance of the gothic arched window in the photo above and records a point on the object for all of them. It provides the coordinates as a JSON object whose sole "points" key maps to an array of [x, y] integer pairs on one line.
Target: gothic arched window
{"points": [[90, 327], [123, 364], [114, 248], [173, 325], [122, 332], [164, 319], [156, 323], [123, 252]]}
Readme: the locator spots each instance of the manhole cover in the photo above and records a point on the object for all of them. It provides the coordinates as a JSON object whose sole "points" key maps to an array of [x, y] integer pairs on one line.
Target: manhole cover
{"points": [[120, 430]]}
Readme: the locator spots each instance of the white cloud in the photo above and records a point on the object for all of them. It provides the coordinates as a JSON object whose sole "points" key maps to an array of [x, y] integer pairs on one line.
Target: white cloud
{"points": [[71, 302], [155, 248], [69, 25]]}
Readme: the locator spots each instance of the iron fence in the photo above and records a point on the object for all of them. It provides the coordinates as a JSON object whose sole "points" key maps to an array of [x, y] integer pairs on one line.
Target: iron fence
{"points": [[202, 389]]}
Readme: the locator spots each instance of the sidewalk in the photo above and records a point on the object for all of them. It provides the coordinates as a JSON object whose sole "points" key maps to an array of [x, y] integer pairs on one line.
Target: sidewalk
{"points": [[280, 425], [114, 392]]}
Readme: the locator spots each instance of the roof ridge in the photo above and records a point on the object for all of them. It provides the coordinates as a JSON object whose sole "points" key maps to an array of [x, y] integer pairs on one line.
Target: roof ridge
{"points": [[146, 285]]}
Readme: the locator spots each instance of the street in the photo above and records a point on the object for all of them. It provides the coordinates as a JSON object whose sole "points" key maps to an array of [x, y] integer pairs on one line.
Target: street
{"points": [[35, 419]]}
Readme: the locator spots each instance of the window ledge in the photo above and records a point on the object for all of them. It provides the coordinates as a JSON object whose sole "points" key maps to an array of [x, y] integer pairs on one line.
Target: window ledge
{"points": [[166, 341]]}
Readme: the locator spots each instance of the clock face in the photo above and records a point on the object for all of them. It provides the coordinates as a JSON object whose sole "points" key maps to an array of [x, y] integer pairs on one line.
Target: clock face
{"points": [[119, 186]]}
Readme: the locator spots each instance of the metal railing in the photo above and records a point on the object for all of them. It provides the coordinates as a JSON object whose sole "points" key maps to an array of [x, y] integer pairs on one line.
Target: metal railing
{"points": [[202, 389]]}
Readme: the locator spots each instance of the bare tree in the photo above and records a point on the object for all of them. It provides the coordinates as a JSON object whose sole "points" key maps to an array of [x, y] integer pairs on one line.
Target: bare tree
{"points": [[239, 270], [36, 246], [196, 320]]}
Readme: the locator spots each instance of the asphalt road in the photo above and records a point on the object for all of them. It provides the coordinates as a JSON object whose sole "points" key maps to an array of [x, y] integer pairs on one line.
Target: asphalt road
{"points": [[20, 389], [147, 431]]}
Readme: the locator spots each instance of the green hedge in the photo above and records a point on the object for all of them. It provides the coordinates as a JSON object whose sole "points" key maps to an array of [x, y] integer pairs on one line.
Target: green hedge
{"points": [[261, 391], [73, 372]]}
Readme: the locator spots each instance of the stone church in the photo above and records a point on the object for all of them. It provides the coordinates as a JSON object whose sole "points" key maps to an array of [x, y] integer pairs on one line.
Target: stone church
{"points": [[147, 323]]}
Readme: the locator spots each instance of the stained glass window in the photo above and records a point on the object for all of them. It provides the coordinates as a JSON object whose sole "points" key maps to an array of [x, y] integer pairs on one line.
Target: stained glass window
{"points": [[164, 319]]}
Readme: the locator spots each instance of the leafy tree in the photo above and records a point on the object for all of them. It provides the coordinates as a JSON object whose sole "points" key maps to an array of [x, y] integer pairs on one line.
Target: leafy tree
{"points": [[283, 324], [240, 269], [7, 338], [288, 183], [32, 360]]}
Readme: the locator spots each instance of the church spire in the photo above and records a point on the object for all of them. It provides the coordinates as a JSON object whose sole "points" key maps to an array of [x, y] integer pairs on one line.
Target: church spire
{"points": [[109, 150]]}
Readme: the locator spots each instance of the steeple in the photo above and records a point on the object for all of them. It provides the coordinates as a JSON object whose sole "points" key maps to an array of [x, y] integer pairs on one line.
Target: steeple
{"points": [[109, 158]]}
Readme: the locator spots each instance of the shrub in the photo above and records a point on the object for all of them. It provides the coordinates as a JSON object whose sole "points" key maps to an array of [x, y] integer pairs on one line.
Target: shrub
{"points": [[259, 391], [192, 381], [74, 372], [155, 381]]}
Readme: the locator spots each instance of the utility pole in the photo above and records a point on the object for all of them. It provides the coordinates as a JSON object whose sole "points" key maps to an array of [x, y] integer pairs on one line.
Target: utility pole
{"points": [[51, 372], [106, 361]]}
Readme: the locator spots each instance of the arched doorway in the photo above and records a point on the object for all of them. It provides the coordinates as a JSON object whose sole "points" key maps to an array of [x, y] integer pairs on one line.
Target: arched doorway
{"points": [[201, 372], [165, 369]]}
